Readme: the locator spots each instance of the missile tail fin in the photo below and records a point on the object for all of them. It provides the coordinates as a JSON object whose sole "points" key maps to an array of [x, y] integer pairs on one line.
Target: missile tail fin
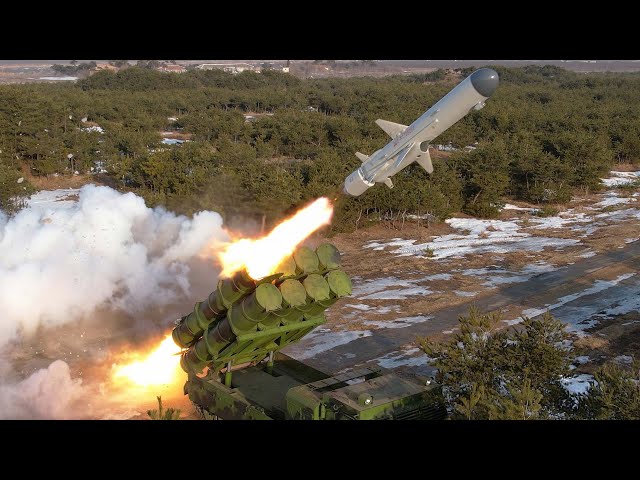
{"points": [[388, 183], [363, 158], [392, 129], [425, 162]]}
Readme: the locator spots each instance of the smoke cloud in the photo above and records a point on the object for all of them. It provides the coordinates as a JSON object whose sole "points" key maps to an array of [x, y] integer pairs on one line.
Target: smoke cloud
{"points": [[106, 250], [50, 393], [61, 262]]}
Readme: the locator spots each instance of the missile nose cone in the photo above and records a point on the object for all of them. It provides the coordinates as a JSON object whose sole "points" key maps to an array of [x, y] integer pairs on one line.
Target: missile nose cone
{"points": [[485, 81]]}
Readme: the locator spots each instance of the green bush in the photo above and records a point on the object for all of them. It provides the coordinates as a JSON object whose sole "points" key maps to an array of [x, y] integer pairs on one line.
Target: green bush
{"points": [[161, 414], [489, 373], [615, 394]]}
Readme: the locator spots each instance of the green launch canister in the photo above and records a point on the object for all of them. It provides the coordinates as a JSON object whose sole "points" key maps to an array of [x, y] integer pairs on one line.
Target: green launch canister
{"points": [[287, 267], [318, 293], [228, 291], [339, 283], [255, 308], [241, 318], [244, 320], [293, 296], [329, 257], [306, 260], [316, 287]]}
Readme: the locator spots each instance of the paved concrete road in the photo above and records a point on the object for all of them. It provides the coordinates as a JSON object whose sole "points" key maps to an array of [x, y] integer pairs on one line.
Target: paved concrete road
{"points": [[538, 292]]}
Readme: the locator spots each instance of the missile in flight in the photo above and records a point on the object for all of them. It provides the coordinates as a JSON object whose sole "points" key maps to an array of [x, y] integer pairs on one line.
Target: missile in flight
{"points": [[411, 143]]}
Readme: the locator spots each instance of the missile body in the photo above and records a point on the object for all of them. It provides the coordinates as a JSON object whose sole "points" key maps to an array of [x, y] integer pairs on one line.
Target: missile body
{"points": [[411, 143]]}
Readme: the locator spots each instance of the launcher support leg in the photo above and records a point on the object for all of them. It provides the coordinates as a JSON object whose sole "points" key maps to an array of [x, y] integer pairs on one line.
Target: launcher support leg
{"points": [[227, 375], [270, 363]]}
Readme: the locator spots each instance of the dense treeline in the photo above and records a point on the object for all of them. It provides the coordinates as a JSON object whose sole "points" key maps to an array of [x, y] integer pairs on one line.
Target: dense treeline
{"points": [[545, 133], [488, 372]]}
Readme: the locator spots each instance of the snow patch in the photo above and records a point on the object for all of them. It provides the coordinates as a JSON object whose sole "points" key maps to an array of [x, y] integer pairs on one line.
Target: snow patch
{"points": [[624, 359], [398, 322], [461, 293], [438, 276], [359, 306], [620, 178], [398, 294], [322, 341], [578, 316], [579, 384], [93, 129], [59, 79], [508, 206], [581, 360], [499, 276], [484, 236], [404, 358], [613, 200], [53, 199], [172, 141]]}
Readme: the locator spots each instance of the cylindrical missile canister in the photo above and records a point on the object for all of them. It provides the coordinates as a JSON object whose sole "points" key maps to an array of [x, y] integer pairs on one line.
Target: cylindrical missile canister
{"points": [[245, 317], [287, 268], [306, 260], [339, 283], [328, 256], [294, 296], [228, 291], [318, 294], [242, 317]]}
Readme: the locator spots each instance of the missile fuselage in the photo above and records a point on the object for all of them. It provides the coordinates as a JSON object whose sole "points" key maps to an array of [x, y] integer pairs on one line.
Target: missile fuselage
{"points": [[411, 144]]}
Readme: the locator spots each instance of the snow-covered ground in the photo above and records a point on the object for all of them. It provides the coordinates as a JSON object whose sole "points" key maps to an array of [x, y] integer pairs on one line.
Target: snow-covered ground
{"points": [[390, 288], [476, 237], [584, 314], [94, 128], [494, 275], [172, 141], [462, 293], [412, 357], [612, 200], [578, 384], [323, 339], [53, 199], [397, 322], [620, 178], [59, 79], [508, 206]]}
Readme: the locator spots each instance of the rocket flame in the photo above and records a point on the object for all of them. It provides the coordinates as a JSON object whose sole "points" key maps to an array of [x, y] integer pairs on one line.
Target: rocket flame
{"points": [[161, 366], [261, 256]]}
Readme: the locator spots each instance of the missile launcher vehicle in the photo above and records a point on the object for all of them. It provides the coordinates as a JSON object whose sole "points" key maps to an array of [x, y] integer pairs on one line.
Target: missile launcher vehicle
{"points": [[232, 344]]}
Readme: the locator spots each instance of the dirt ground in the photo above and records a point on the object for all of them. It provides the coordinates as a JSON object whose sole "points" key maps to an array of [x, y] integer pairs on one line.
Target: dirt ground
{"points": [[53, 182], [608, 339]]}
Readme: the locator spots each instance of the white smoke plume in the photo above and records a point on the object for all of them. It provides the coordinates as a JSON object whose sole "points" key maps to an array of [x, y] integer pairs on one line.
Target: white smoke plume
{"points": [[107, 250], [61, 262], [50, 393]]}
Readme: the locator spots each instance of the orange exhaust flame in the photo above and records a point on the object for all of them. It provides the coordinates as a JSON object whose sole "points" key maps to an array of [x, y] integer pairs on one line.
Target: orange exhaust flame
{"points": [[160, 366], [261, 256]]}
